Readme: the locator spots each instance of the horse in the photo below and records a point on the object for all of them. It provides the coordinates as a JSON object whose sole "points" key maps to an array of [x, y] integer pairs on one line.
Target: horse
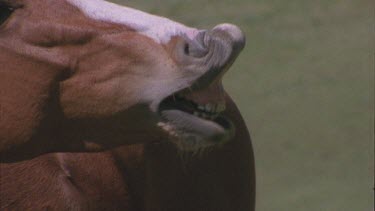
{"points": [[105, 107]]}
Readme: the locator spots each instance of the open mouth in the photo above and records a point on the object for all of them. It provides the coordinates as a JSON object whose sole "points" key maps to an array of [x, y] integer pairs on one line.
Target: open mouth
{"points": [[194, 117], [192, 123]]}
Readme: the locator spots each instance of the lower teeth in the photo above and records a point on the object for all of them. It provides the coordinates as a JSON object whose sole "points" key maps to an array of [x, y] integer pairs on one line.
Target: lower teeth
{"points": [[204, 115]]}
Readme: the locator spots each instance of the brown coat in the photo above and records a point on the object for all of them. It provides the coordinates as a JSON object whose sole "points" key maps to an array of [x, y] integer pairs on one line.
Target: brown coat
{"points": [[84, 90], [140, 177]]}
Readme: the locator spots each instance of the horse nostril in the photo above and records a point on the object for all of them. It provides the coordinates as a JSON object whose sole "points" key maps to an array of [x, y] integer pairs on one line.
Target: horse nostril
{"points": [[194, 48], [187, 49]]}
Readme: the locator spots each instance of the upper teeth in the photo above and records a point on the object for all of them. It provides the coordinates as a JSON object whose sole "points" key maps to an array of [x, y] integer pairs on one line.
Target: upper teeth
{"points": [[212, 108]]}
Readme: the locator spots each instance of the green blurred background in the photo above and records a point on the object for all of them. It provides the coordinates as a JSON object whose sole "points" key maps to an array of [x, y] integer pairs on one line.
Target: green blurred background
{"points": [[305, 86]]}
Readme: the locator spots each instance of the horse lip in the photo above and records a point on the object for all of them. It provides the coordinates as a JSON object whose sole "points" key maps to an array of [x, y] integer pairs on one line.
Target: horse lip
{"points": [[236, 35], [216, 131], [224, 43]]}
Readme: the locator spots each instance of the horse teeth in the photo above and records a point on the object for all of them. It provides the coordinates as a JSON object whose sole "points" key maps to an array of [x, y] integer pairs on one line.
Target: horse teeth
{"points": [[201, 107], [161, 124], [208, 107], [209, 111], [173, 133], [165, 126], [169, 127]]}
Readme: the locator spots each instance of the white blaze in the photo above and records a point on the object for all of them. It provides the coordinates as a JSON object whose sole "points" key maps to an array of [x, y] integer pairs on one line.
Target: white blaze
{"points": [[158, 28]]}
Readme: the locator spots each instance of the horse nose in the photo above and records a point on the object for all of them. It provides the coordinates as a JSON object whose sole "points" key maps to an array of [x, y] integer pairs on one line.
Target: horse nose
{"points": [[210, 53], [230, 34], [235, 36], [217, 49], [224, 43]]}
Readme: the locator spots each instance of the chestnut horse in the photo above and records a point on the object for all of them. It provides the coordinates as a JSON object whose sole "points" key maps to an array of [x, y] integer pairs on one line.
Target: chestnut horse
{"points": [[104, 107]]}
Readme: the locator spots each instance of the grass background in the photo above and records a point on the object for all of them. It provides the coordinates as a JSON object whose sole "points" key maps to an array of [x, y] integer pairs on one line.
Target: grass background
{"points": [[305, 86]]}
